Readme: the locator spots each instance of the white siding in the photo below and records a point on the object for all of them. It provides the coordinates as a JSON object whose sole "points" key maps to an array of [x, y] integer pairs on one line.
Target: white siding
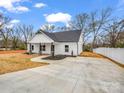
{"points": [[41, 38], [60, 48], [48, 49], [80, 48], [36, 48]]}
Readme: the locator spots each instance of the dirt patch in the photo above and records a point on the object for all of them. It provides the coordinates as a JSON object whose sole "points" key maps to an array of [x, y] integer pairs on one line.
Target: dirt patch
{"points": [[91, 54], [12, 51], [17, 61]]}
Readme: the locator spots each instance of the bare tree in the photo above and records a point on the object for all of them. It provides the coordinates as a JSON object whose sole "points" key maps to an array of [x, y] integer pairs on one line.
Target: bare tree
{"points": [[81, 22], [27, 32], [6, 36], [114, 32], [4, 29], [98, 21], [64, 28], [48, 27], [15, 37]]}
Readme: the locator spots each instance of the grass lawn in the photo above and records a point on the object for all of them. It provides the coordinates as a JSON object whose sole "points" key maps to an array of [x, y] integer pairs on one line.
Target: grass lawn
{"points": [[11, 61]]}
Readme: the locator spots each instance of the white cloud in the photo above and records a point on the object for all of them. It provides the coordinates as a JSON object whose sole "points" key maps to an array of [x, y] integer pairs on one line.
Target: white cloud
{"points": [[13, 5], [22, 9], [39, 5], [58, 17], [12, 23], [9, 26], [15, 21]]}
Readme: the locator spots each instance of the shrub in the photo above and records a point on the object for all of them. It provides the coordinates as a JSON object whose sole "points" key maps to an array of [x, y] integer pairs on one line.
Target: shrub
{"points": [[22, 47], [87, 48]]}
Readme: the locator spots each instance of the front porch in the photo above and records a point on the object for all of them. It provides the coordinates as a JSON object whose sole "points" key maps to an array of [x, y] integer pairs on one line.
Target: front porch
{"points": [[41, 48]]}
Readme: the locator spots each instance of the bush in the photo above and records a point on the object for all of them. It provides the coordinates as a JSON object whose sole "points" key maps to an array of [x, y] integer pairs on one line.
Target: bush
{"points": [[22, 47], [121, 45], [87, 48]]}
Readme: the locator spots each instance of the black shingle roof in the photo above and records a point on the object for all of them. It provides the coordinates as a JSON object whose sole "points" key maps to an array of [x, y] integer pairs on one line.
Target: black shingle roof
{"points": [[65, 36]]}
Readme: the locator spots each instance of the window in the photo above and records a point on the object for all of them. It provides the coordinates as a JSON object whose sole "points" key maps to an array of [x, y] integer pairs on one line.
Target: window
{"points": [[66, 48], [43, 48], [32, 47]]}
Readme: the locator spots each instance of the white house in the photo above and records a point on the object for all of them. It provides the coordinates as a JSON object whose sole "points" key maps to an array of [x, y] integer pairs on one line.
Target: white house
{"points": [[59, 43]]}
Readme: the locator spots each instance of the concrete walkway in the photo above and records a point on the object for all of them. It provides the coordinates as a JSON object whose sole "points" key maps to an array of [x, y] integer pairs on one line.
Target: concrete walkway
{"points": [[71, 75]]}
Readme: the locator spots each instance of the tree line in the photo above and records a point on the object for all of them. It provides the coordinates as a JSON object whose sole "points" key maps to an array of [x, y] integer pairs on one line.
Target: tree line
{"points": [[99, 28], [15, 37]]}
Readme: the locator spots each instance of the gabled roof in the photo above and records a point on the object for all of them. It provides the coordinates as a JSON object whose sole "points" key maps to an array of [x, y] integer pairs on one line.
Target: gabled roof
{"points": [[65, 36]]}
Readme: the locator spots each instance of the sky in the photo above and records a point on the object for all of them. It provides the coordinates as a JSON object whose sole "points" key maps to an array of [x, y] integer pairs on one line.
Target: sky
{"points": [[58, 12]]}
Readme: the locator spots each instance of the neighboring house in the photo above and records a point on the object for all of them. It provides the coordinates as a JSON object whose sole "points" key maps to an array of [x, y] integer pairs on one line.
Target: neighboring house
{"points": [[61, 43]]}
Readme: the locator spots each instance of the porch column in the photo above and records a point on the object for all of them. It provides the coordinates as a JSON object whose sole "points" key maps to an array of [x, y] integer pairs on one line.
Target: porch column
{"points": [[40, 49], [52, 49], [30, 48]]}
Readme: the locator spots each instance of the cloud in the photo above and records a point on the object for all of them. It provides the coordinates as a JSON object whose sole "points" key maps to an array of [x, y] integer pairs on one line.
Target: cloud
{"points": [[39, 5], [15, 21], [9, 26], [12, 23], [13, 5], [58, 17], [22, 9]]}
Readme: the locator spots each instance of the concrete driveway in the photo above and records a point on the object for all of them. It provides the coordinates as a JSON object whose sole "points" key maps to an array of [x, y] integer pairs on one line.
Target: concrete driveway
{"points": [[71, 75]]}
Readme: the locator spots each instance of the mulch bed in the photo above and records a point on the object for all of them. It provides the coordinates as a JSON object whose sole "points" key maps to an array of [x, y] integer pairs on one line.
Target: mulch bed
{"points": [[57, 57]]}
